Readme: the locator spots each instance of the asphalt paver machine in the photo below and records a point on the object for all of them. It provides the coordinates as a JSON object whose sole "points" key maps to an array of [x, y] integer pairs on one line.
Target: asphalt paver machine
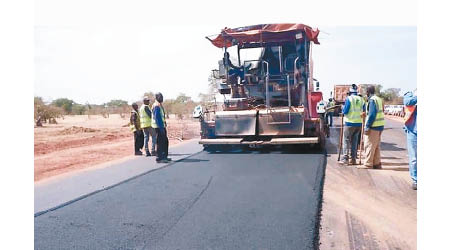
{"points": [[266, 79]]}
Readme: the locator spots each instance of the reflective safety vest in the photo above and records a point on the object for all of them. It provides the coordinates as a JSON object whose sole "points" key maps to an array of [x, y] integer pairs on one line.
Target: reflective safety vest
{"points": [[146, 121], [331, 104], [409, 111], [356, 108], [138, 122], [379, 118], [163, 117]]}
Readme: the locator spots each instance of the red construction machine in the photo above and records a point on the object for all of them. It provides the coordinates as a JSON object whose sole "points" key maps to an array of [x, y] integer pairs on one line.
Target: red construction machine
{"points": [[268, 88]]}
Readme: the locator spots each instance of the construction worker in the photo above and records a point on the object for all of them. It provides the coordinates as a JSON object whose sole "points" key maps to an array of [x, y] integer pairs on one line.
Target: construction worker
{"points": [[373, 129], [135, 126], [146, 125], [353, 110], [330, 111], [410, 102], [159, 123]]}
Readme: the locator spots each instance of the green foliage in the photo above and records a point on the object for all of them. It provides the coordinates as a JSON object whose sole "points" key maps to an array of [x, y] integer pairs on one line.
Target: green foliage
{"points": [[78, 109], [390, 96], [117, 103], [182, 106], [64, 103]]}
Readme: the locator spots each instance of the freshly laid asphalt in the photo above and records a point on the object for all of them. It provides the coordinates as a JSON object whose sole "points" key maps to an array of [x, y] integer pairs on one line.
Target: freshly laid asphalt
{"points": [[224, 200]]}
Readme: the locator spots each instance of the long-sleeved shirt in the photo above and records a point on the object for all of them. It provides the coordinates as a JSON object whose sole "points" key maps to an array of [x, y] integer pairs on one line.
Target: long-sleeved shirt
{"points": [[134, 119], [147, 110], [346, 109], [372, 114], [158, 119], [409, 99]]}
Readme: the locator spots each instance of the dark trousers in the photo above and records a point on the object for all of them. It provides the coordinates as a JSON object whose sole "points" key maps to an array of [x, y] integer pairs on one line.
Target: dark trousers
{"points": [[162, 143], [138, 140]]}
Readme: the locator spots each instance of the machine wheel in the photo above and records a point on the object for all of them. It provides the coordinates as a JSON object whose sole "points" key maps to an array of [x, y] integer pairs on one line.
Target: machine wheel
{"points": [[209, 148], [323, 133]]}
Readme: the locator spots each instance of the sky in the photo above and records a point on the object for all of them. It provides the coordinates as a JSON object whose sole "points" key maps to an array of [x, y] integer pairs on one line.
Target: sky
{"points": [[95, 51], [383, 55]]}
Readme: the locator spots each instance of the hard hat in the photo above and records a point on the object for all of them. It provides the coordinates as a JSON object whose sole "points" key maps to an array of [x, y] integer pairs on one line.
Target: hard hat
{"points": [[352, 90], [146, 98]]}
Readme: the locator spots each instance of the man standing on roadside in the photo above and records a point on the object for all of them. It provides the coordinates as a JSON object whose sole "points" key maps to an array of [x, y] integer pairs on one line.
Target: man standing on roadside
{"points": [[135, 126], [353, 110], [373, 129], [146, 125], [159, 123], [330, 112], [410, 102]]}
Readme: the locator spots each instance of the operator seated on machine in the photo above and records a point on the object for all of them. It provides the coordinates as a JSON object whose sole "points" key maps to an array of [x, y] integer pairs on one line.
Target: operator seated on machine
{"points": [[234, 71]]}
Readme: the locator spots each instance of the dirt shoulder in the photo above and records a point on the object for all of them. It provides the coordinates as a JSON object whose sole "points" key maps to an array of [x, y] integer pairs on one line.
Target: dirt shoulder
{"points": [[394, 118], [79, 142], [370, 209]]}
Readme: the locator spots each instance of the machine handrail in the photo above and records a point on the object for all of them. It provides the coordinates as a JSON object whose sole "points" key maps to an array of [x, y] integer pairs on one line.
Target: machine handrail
{"points": [[267, 83], [289, 104], [295, 69], [268, 108]]}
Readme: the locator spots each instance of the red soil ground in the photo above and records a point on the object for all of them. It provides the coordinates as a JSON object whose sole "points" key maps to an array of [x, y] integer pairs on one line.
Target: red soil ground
{"points": [[79, 142]]}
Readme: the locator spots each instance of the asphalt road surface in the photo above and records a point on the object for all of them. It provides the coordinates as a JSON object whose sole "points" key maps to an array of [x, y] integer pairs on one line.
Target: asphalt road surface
{"points": [[228, 200]]}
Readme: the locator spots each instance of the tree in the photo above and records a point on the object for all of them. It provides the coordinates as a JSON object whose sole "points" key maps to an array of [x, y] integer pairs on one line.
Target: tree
{"points": [[207, 98], [44, 112], [78, 109], [392, 96], [181, 106], [64, 103], [117, 103], [378, 88], [38, 106], [183, 98]]}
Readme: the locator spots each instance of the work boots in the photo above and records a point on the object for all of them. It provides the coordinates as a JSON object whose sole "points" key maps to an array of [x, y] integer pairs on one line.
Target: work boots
{"points": [[377, 166], [344, 160]]}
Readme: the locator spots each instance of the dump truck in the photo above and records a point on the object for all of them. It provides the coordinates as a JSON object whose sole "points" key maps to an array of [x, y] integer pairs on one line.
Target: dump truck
{"points": [[339, 94], [265, 77]]}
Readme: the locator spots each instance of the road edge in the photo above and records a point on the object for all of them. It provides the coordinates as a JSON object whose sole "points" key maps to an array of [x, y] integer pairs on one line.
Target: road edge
{"points": [[37, 214]]}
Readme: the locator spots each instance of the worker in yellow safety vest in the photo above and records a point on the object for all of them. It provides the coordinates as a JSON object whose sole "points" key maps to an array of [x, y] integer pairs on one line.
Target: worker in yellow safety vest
{"points": [[353, 111], [159, 123], [146, 124], [330, 112], [135, 126], [373, 129]]}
